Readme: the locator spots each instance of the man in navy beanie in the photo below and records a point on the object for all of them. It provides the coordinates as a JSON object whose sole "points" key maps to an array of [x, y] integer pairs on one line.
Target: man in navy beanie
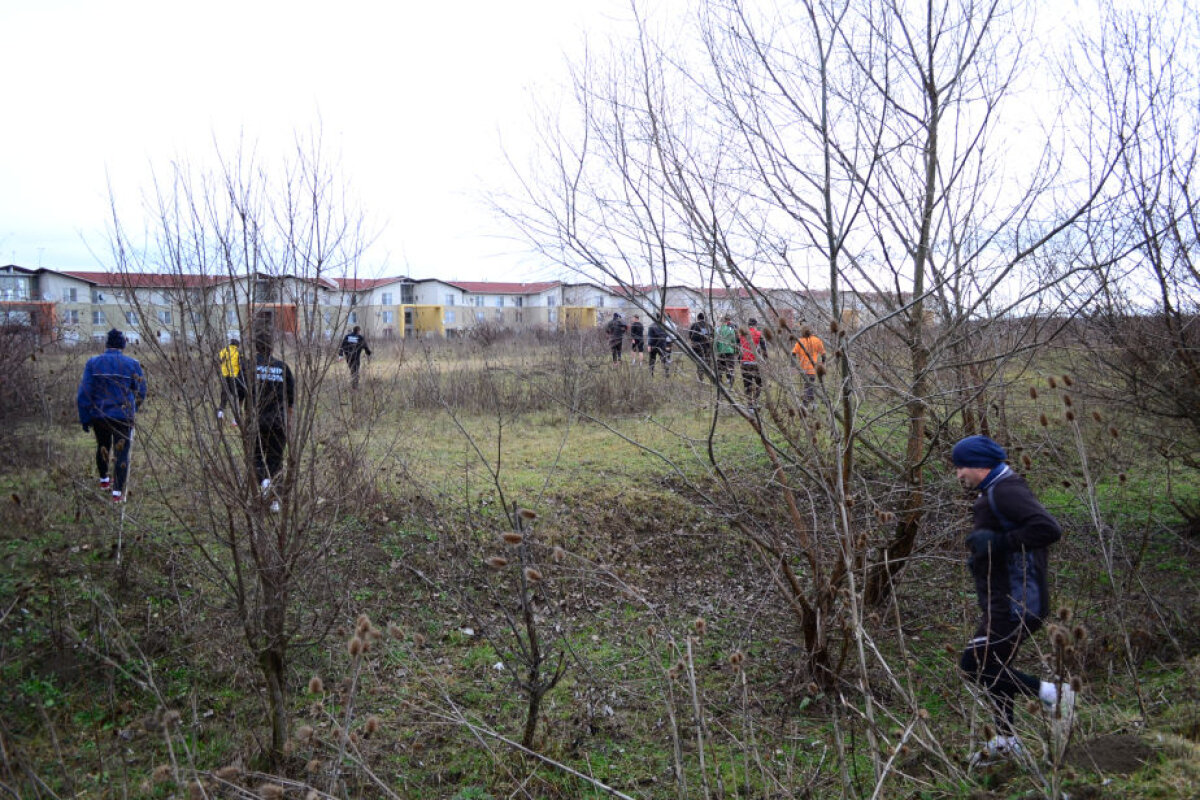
{"points": [[1009, 561], [110, 393]]}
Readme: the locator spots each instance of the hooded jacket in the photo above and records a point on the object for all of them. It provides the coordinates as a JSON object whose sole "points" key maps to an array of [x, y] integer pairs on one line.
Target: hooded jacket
{"points": [[113, 387], [272, 390]]}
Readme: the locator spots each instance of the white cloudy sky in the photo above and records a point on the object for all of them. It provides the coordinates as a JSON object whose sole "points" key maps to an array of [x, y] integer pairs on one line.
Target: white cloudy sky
{"points": [[415, 97]]}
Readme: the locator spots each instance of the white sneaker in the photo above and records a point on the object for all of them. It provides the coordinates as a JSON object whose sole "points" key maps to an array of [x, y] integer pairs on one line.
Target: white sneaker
{"points": [[106, 483], [116, 496], [1059, 704], [265, 486], [220, 413], [274, 506], [996, 750]]}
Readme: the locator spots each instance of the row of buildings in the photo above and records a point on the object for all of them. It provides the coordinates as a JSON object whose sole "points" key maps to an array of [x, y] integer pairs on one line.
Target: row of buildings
{"points": [[78, 306]]}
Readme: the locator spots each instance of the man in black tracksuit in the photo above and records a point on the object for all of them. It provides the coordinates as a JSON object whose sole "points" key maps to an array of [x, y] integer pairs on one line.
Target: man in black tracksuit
{"points": [[1009, 562], [353, 345], [271, 393], [659, 339]]}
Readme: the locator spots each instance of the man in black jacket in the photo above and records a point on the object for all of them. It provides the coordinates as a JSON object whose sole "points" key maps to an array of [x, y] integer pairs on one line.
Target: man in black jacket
{"points": [[271, 393], [659, 339], [1009, 562], [700, 335], [353, 345]]}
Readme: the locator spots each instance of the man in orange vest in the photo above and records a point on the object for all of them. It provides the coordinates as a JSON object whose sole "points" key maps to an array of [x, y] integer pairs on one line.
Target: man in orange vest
{"points": [[809, 351]]}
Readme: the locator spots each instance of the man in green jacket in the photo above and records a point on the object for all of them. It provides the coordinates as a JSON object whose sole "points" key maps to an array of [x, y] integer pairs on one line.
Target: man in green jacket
{"points": [[726, 346]]}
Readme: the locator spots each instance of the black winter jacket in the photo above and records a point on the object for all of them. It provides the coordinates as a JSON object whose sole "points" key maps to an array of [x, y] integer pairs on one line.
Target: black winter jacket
{"points": [[1012, 585], [272, 391]]}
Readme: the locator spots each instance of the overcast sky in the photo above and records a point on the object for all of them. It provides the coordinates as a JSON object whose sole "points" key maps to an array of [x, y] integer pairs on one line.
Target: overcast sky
{"points": [[415, 99]]}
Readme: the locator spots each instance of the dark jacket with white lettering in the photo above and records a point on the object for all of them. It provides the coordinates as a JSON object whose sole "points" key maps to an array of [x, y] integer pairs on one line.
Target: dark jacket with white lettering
{"points": [[271, 391], [113, 387], [1013, 585], [353, 346]]}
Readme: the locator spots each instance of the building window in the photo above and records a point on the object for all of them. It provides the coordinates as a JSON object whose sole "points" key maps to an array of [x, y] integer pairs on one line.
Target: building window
{"points": [[98, 318], [518, 301], [499, 302], [479, 316], [70, 295], [551, 301], [71, 317], [406, 294], [389, 317], [131, 318], [599, 301], [97, 297], [352, 318], [386, 298], [449, 317], [478, 299], [451, 299], [164, 317], [231, 317]]}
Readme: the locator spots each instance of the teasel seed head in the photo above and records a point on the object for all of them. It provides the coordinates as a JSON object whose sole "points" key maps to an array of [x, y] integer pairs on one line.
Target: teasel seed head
{"points": [[497, 562], [1076, 684], [1096, 416], [395, 631], [1121, 477], [1059, 637], [305, 732], [736, 658], [1044, 421], [362, 624], [1113, 432], [228, 774], [161, 774], [1066, 484], [833, 326], [371, 725], [1052, 382], [700, 626], [651, 631], [1067, 400], [355, 647], [1079, 633], [1064, 614], [419, 639], [1067, 380], [271, 791], [528, 514], [821, 370], [1070, 415], [1026, 461], [813, 689], [512, 537], [558, 555], [313, 766], [923, 713], [1033, 393], [532, 575]]}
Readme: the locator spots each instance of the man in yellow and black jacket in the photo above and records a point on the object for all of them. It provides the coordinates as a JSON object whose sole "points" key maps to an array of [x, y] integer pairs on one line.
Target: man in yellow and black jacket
{"points": [[233, 388]]}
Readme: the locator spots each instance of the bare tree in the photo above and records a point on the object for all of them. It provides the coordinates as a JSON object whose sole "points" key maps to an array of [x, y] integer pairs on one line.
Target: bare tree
{"points": [[250, 251], [860, 143]]}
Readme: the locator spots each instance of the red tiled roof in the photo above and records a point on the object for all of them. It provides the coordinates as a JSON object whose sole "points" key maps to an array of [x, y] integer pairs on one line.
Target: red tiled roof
{"points": [[362, 284], [145, 280], [484, 287]]}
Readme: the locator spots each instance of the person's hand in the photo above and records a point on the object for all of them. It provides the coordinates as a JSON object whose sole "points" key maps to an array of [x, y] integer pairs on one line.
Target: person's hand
{"points": [[985, 543], [86, 427]]}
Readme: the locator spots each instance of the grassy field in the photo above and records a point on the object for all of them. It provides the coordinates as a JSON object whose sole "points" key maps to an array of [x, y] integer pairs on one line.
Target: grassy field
{"points": [[125, 669]]}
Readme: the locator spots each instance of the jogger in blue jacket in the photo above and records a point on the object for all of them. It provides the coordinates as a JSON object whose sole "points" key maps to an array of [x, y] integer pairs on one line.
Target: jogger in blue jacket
{"points": [[110, 393]]}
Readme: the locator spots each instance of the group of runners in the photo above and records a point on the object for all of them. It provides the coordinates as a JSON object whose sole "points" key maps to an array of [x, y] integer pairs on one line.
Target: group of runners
{"points": [[261, 388], [1007, 546], [720, 350]]}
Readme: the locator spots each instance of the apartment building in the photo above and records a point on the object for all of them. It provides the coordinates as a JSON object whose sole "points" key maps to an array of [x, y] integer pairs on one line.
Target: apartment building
{"points": [[81, 305]]}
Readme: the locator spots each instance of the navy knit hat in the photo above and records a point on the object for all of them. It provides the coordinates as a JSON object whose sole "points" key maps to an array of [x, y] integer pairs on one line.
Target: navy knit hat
{"points": [[977, 451], [116, 340]]}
